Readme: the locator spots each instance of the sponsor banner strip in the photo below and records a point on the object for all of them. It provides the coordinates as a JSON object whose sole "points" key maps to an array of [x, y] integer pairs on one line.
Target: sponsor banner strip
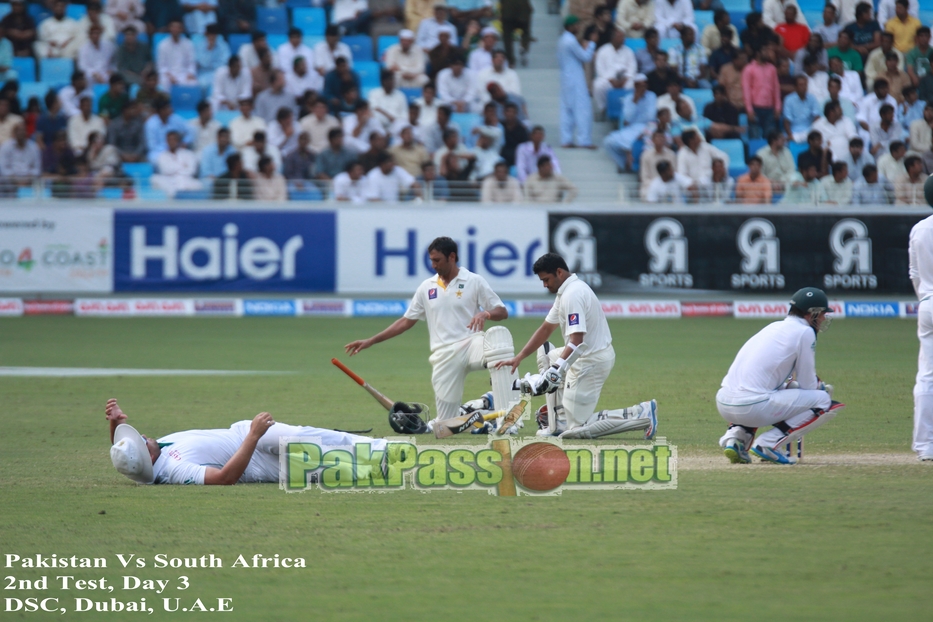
{"points": [[11, 307]]}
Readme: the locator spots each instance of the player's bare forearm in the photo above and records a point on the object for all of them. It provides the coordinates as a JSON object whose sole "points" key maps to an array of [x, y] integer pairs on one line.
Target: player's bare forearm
{"points": [[576, 339], [114, 415], [496, 314], [396, 328], [231, 472]]}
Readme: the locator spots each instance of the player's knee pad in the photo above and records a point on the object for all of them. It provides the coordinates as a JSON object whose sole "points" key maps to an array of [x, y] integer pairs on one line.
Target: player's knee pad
{"points": [[819, 419], [544, 356], [498, 346], [604, 425]]}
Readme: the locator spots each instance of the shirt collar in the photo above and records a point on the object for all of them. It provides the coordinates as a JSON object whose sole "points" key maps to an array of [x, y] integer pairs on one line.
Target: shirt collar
{"points": [[570, 279]]}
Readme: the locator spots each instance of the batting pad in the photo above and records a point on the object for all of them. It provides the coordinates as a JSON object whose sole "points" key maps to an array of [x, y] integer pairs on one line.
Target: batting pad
{"points": [[498, 346]]}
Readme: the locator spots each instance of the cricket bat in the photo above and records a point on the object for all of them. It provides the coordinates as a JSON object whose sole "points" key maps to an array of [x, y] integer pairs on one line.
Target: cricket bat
{"points": [[456, 425], [382, 399], [515, 413]]}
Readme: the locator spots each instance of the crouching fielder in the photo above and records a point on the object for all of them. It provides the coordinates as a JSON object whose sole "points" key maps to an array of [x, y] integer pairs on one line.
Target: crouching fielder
{"points": [[773, 382], [456, 304], [572, 377]]}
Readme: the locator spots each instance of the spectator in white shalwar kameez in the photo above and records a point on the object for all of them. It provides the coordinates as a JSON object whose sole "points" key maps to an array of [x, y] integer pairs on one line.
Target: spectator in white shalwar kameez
{"points": [[292, 49], [175, 59], [501, 74], [481, 57], [672, 15], [95, 58], [455, 86], [58, 36], [408, 61], [327, 51], [231, 84], [615, 68], [177, 167], [387, 102]]}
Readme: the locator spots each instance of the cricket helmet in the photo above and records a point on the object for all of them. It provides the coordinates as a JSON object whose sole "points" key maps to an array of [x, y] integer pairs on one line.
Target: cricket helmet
{"points": [[404, 418]]}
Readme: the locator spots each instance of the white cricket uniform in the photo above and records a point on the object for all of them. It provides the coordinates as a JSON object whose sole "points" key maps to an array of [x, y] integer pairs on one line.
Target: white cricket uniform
{"points": [[186, 455], [455, 351], [577, 310], [921, 274], [752, 393]]}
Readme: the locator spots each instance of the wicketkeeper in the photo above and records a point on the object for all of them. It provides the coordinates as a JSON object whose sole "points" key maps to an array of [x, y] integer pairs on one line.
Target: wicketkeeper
{"points": [[773, 382]]}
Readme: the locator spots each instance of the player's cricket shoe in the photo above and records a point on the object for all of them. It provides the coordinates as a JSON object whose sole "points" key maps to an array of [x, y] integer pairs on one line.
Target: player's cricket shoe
{"points": [[736, 453], [649, 410], [769, 455]]}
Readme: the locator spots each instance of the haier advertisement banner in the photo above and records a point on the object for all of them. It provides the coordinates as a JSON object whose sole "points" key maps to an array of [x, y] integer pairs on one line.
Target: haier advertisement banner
{"points": [[205, 251], [634, 253], [45, 249], [385, 250]]}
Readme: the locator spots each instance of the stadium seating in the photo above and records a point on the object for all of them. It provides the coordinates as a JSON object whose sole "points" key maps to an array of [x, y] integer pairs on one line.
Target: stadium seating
{"points": [[56, 71], [296, 4], [739, 6], [796, 149], [668, 43], [614, 103], [37, 12], [813, 18], [143, 38], [29, 192], [813, 5], [185, 97], [369, 74], [276, 40], [926, 17], [411, 94], [311, 21], [76, 11], [224, 117], [237, 41], [702, 20], [383, 44], [113, 194], [193, 195], [755, 144], [138, 170], [25, 68], [157, 38], [465, 122], [361, 46], [99, 90], [700, 98], [33, 89], [635, 44], [735, 149], [272, 21], [4, 9]]}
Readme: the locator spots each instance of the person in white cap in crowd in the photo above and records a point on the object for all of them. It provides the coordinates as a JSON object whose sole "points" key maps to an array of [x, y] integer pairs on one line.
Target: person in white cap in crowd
{"points": [[615, 68], [407, 61], [246, 452], [481, 57], [427, 38]]}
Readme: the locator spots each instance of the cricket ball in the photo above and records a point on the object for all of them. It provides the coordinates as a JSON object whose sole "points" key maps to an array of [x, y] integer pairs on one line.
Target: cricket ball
{"points": [[540, 466]]}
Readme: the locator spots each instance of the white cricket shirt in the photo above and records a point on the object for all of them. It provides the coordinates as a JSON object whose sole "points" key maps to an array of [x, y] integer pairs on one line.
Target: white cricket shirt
{"points": [[186, 455], [449, 308], [771, 356], [577, 310], [921, 257]]}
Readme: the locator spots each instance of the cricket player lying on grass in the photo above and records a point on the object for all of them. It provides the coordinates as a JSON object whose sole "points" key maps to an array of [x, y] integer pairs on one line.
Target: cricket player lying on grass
{"points": [[247, 451], [773, 382]]}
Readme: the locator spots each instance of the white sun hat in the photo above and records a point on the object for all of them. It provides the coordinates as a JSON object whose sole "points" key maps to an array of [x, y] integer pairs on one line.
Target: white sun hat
{"points": [[130, 455]]}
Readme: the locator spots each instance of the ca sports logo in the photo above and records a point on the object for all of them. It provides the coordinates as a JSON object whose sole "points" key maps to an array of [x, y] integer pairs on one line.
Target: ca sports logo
{"points": [[851, 246], [667, 251], [760, 248], [573, 240], [505, 467]]}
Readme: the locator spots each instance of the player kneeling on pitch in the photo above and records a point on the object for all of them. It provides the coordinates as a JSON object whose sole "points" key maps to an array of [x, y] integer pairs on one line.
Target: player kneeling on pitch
{"points": [[571, 378], [773, 382], [246, 452]]}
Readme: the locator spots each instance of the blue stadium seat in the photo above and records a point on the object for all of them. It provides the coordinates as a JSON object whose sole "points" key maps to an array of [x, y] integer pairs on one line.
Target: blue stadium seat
{"points": [[276, 40], [814, 18], [361, 46], [157, 38], [796, 149], [700, 98], [29, 192], [312, 40], [193, 195], [735, 149], [112, 194], [635, 44], [755, 144], [272, 21], [33, 89], [298, 4], [138, 170], [739, 6], [26, 68], [4, 9], [56, 70], [465, 122], [667, 43], [311, 21], [187, 115], [384, 43], [411, 94], [37, 12], [702, 20], [308, 193], [369, 74], [637, 148], [926, 17], [237, 41], [614, 103], [814, 5], [185, 97], [738, 19], [224, 117], [142, 37], [99, 90], [76, 11]]}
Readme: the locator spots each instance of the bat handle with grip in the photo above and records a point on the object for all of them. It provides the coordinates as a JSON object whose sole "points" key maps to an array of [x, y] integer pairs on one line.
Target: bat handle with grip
{"points": [[348, 372]]}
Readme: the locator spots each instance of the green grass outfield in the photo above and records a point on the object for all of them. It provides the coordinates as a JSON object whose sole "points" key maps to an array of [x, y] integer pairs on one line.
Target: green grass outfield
{"points": [[846, 536]]}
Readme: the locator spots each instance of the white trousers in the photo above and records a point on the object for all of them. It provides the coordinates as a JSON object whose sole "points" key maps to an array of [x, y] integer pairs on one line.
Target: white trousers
{"points": [[791, 407], [923, 389], [264, 465], [451, 365], [583, 384]]}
